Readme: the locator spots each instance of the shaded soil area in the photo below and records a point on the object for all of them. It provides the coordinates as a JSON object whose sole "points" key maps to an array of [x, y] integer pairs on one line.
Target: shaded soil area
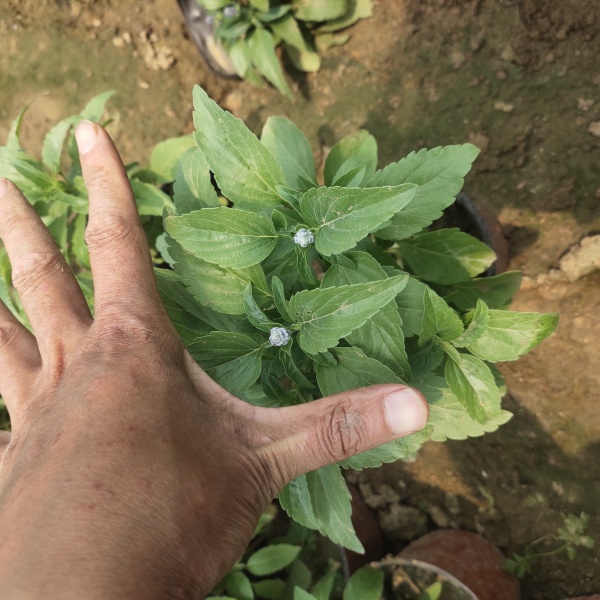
{"points": [[521, 80]]}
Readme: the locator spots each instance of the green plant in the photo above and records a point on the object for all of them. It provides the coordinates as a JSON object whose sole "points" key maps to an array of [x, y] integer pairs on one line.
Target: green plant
{"points": [[284, 567], [571, 534], [299, 291], [251, 30]]}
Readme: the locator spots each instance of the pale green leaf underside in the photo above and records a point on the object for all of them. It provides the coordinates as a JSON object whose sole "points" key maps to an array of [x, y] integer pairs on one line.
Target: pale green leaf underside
{"points": [[356, 149], [193, 188], [320, 500], [342, 217], [365, 584], [272, 558], [323, 316], [509, 335], [245, 170], [438, 319], [448, 417], [227, 237]]}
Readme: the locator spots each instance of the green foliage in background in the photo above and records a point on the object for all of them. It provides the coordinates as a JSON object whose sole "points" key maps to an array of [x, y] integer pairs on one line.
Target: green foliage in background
{"points": [[251, 30]]}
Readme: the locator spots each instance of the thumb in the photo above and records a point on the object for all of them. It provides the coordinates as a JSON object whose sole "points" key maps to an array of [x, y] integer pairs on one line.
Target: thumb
{"points": [[4, 439], [309, 436]]}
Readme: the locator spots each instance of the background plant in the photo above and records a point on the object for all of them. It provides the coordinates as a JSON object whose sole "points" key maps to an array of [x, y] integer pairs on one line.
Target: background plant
{"points": [[251, 30]]}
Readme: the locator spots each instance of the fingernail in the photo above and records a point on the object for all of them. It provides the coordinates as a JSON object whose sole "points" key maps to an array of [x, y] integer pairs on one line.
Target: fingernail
{"points": [[86, 135], [3, 186], [405, 411]]}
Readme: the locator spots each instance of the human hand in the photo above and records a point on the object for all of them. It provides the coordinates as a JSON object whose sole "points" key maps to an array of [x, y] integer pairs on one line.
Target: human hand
{"points": [[129, 472]]}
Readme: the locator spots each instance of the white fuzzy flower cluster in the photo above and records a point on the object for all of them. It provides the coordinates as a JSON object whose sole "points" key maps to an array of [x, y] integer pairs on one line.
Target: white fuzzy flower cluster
{"points": [[304, 238], [279, 336], [229, 12]]}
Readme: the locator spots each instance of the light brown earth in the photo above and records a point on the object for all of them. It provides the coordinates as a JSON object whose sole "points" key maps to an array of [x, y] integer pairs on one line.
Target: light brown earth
{"points": [[519, 79]]}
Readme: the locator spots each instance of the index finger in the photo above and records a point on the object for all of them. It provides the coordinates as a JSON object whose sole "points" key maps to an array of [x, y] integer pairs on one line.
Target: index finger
{"points": [[119, 254]]}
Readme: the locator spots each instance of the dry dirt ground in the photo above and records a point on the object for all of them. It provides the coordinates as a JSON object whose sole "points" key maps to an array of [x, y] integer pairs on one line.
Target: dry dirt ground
{"points": [[521, 80]]}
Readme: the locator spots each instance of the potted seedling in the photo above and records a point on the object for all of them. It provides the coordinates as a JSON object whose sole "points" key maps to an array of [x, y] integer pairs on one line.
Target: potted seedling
{"points": [[241, 37]]}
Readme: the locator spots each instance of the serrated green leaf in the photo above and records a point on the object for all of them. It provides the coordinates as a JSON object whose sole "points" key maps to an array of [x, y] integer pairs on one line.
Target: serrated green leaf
{"points": [[282, 263], [496, 291], [288, 358], [271, 589], [325, 315], [281, 304], [149, 199], [216, 287], [423, 359], [352, 178], [365, 584], [239, 53], [322, 589], [291, 149], [473, 384], [272, 558], [478, 321], [343, 216], [448, 417], [54, 142], [228, 237], [300, 50], [233, 360], [262, 53], [165, 155], [255, 315], [319, 10], [509, 335], [438, 319], [193, 188], [245, 170], [381, 337], [358, 149], [94, 109], [238, 586], [320, 500], [13, 142], [439, 173], [446, 256]]}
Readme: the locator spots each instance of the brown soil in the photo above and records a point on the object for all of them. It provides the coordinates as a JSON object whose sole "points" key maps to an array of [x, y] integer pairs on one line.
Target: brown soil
{"points": [[521, 80]]}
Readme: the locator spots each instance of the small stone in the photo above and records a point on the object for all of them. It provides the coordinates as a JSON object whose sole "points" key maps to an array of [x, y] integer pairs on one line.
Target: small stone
{"points": [[597, 193], [144, 85], [457, 59], [389, 494], [584, 105], [366, 490], [118, 42], [594, 128], [438, 516], [375, 501], [476, 41], [126, 36], [76, 9], [504, 106], [96, 23], [583, 259], [403, 523], [479, 139], [501, 75], [508, 54]]}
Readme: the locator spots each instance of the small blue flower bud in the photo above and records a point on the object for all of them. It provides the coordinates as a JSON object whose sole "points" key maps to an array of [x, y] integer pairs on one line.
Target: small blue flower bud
{"points": [[229, 12], [304, 238], [279, 336]]}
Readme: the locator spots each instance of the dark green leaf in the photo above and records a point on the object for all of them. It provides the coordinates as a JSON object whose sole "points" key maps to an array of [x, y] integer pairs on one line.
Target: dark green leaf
{"points": [[272, 558], [423, 359], [281, 304], [325, 315], [149, 199], [319, 10], [291, 370], [478, 321], [496, 291], [228, 237], [245, 170], [239, 53], [323, 588], [238, 585], [320, 500], [359, 149], [300, 594], [439, 173], [357, 9], [54, 142], [232, 359], [291, 149], [269, 588], [255, 315], [344, 216], [446, 256], [351, 178]]}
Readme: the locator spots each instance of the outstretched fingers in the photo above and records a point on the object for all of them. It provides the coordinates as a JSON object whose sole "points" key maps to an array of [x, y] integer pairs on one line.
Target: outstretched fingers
{"points": [[119, 254]]}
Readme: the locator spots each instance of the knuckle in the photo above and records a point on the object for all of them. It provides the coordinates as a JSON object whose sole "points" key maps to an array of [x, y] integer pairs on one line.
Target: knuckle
{"points": [[9, 334], [30, 271], [126, 332], [342, 432], [110, 233]]}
